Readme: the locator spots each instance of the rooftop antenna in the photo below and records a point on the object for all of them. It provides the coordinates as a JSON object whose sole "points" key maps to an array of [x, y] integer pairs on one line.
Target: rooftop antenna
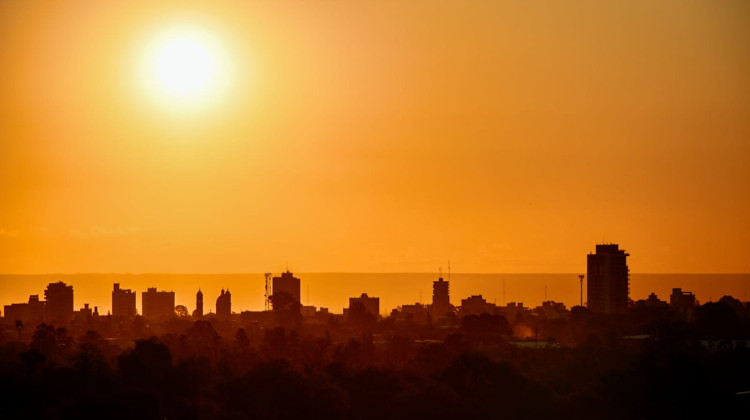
{"points": [[268, 291], [580, 277], [545, 292]]}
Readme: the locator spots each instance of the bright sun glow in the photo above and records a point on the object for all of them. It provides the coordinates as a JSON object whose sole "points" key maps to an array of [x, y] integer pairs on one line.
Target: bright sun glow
{"points": [[185, 69]]}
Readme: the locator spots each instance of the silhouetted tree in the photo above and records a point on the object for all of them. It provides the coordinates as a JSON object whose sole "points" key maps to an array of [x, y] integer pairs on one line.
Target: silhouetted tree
{"points": [[149, 363], [202, 340], [485, 324], [91, 357], [240, 339], [487, 388], [275, 343], [717, 320], [44, 340], [181, 311]]}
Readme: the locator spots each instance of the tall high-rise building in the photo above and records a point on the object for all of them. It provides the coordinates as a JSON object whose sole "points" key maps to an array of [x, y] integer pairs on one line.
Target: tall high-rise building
{"points": [[198, 313], [123, 302], [441, 304], [288, 284], [608, 277], [157, 304], [58, 308], [224, 305]]}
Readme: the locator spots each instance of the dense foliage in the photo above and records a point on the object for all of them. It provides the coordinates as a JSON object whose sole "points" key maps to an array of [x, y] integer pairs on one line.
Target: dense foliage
{"points": [[213, 370]]}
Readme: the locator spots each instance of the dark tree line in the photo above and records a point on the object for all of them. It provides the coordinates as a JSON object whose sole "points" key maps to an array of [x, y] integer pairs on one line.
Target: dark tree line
{"points": [[209, 370]]}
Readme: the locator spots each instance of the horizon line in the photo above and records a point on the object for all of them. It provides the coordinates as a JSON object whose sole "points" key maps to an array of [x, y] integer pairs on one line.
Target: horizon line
{"points": [[346, 272]]}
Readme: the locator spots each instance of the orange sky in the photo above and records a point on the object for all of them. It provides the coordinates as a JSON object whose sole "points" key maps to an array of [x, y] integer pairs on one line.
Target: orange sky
{"points": [[378, 136]]}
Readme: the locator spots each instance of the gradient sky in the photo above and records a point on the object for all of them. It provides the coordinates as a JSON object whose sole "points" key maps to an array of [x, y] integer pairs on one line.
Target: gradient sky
{"points": [[377, 136]]}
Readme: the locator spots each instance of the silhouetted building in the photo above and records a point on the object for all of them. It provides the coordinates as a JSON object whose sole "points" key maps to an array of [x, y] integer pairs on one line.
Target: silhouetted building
{"points": [[476, 305], [123, 302], [308, 311], [608, 277], [83, 315], [157, 304], [441, 304], [682, 302], [288, 284], [253, 320], [224, 305], [649, 310], [30, 313], [370, 304], [198, 313], [653, 301], [58, 308], [513, 311], [415, 314], [552, 310]]}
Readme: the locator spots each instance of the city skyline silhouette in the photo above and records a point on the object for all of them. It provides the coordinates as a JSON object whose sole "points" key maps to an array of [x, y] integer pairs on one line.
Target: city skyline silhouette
{"points": [[361, 210], [394, 288]]}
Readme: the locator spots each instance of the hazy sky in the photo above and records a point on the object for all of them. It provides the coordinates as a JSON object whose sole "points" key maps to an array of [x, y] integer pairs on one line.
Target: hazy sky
{"points": [[379, 136]]}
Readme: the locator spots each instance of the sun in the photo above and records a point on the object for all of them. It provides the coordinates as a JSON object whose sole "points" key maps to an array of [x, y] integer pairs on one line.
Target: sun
{"points": [[185, 68]]}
